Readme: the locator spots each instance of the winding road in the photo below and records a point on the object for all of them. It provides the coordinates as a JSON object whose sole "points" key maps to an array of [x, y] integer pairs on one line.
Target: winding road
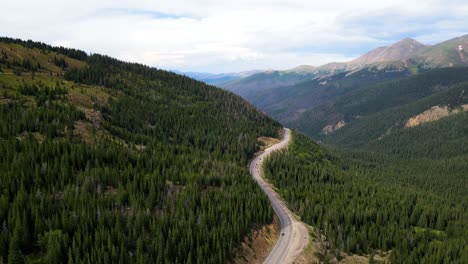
{"points": [[294, 235]]}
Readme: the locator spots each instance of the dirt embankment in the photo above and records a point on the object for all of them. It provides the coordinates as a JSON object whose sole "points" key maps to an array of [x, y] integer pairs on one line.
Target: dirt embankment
{"points": [[256, 247]]}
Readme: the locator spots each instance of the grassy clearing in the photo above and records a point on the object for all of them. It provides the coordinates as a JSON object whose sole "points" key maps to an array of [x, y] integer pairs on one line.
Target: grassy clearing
{"points": [[16, 52]]}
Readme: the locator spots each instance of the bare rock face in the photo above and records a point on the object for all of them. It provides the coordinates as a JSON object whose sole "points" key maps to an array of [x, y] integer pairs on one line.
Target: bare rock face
{"points": [[434, 114], [93, 115], [333, 127]]}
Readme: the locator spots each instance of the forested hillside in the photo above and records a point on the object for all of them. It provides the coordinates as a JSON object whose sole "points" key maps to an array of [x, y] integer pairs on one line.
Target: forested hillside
{"points": [[389, 130], [390, 185], [250, 86], [289, 102], [394, 178], [410, 205], [360, 106], [110, 162]]}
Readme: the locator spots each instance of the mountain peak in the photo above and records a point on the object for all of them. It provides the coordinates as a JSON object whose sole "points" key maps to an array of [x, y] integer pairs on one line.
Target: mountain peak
{"points": [[400, 50], [407, 43], [302, 69]]}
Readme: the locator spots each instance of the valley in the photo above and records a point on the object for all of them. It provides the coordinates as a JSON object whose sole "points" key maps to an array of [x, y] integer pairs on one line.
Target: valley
{"points": [[388, 180], [107, 161]]}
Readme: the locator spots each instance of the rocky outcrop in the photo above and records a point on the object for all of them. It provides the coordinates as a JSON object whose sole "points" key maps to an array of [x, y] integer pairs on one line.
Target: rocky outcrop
{"points": [[333, 127], [435, 113]]}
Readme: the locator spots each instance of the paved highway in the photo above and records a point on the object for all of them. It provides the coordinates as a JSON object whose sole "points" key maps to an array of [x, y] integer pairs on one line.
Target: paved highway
{"points": [[294, 235]]}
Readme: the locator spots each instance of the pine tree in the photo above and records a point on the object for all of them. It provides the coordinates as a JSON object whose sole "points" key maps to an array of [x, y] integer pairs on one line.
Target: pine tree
{"points": [[14, 253]]}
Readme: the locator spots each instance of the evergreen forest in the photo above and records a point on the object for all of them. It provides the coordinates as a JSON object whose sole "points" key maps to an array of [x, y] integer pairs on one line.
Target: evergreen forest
{"points": [[104, 161]]}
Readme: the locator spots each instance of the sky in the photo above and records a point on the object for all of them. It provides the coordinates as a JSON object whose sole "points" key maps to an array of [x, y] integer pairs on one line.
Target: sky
{"points": [[232, 35]]}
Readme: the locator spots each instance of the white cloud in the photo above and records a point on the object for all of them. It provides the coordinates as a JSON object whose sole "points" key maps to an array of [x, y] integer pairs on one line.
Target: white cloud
{"points": [[61, 43], [220, 35]]}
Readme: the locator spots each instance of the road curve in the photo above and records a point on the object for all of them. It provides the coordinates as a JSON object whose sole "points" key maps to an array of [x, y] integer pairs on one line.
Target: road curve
{"points": [[294, 235]]}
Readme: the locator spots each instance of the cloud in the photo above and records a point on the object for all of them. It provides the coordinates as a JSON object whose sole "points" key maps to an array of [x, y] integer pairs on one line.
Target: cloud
{"points": [[220, 35]]}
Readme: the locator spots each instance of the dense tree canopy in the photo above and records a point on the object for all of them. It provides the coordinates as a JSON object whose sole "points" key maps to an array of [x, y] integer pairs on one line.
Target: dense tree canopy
{"points": [[364, 202], [122, 163]]}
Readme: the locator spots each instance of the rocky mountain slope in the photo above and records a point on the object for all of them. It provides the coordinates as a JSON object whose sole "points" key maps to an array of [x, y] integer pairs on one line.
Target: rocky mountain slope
{"points": [[287, 95], [401, 50]]}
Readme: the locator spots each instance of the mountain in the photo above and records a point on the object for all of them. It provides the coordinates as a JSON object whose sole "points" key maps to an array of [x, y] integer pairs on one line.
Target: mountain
{"points": [[288, 102], [407, 52], [391, 133], [263, 82], [401, 50], [317, 111], [273, 79], [304, 69], [450, 53], [343, 112], [214, 79], [287, 95], [267, 80], [399, 143], [105, 161], [392, 127]]}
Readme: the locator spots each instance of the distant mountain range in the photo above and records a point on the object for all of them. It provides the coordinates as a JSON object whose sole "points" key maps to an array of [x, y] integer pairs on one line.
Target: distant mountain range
{"points": [[287, 95], [214, 79], [404, 55]]}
